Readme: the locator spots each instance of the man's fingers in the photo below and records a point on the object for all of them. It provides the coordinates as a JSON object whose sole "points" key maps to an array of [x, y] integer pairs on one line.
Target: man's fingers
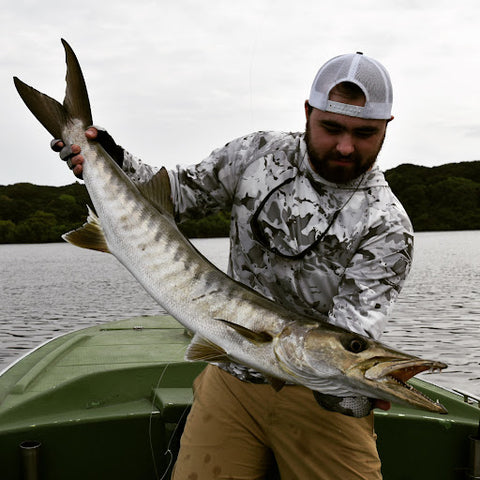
{"points": [[66, 153], [69, 151], [70, 154], [91, 133], [78, 171], [57, 144]]}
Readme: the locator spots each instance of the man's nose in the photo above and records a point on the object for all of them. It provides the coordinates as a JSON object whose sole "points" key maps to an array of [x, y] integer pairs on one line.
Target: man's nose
{"points": [[345, 144]]}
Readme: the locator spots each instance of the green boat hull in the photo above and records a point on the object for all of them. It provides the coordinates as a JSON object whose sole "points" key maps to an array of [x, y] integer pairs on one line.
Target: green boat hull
{"points": [[109, 402]]}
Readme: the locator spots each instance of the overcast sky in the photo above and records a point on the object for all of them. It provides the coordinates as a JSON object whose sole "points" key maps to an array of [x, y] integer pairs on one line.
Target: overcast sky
{"points": [[173, 80]]}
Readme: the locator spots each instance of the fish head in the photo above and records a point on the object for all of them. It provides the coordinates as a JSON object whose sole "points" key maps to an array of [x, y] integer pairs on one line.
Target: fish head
{"points": [[342, 363]]}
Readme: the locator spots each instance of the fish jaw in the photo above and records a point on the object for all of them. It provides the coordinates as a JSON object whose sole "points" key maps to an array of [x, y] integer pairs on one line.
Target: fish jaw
{"points": [[388, 377]]}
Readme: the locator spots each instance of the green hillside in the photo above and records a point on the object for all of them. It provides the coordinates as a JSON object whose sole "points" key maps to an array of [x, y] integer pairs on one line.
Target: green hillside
{"points": [[446, 197], [36, 214], [437, 198]]}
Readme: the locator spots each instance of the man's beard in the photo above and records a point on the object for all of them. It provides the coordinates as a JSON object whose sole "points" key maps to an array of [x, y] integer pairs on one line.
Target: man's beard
{"points": [[324, 166]]}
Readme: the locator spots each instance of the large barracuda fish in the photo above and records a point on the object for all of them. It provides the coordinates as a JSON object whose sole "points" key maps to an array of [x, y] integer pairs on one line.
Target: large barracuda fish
{"points": [[230, 321]]}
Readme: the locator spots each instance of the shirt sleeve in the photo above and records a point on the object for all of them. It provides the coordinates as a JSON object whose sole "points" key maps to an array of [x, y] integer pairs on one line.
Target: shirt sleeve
{"points": [[374, 277], [210, 185], [137, 170]]}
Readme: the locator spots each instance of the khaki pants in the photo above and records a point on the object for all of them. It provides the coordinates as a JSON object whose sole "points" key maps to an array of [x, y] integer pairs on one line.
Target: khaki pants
{"points": [[236, 429]]}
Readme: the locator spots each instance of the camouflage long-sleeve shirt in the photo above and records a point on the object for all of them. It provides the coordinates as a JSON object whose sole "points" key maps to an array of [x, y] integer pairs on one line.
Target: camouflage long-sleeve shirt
{"points": [[340, 252]]}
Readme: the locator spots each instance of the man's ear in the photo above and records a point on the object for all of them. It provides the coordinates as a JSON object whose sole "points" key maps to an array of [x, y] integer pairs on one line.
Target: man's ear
{"points": [[307, 106]]}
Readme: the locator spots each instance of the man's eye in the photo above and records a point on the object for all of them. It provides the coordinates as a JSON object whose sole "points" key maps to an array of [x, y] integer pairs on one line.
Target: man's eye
{"points": [[365, 133], [331, 129]]}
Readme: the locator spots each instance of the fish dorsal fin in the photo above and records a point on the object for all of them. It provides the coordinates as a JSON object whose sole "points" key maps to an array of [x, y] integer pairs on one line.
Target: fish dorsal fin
{"points": [[76, 101], [158, 191], [89, 235], [255, 337], [203, 350]]}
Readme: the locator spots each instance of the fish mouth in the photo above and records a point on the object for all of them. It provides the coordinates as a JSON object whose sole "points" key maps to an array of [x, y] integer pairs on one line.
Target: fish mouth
{"points": [[390, 376]]}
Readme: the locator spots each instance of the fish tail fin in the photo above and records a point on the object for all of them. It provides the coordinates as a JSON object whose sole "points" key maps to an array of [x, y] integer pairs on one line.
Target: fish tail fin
{"points": [[52, 114], [76, 96], [46, 110], [89, 235]]}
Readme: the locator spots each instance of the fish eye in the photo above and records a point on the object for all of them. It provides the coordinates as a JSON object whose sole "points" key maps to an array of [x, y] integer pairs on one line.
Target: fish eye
{"points": [[354, 344]]}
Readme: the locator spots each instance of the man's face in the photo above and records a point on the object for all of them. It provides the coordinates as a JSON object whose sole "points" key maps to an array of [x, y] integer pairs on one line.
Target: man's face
{"points": [[341, 147]]}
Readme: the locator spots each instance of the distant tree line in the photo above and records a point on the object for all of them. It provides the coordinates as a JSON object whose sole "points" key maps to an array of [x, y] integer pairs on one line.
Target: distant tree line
{"points": [[33, 214], [437, 198], [38, 214]]}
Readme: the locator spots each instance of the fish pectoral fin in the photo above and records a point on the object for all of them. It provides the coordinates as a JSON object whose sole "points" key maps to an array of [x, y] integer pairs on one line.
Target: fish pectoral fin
{"points": [[275, 382], [89, 235], [158, 191], [255, 337], [203, 350]]}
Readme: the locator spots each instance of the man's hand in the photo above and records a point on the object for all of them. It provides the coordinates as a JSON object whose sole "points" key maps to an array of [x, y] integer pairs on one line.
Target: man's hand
{"points": [[72, 154]]}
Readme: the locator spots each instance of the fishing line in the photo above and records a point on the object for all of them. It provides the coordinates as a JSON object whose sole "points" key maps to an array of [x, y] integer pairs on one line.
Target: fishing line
{"points": [[252, 57], [150, 420], [150, 429], [169, 450]]}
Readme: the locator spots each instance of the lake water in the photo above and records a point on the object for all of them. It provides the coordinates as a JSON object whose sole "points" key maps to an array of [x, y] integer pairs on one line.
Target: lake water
{"points": [[49, 289]]}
